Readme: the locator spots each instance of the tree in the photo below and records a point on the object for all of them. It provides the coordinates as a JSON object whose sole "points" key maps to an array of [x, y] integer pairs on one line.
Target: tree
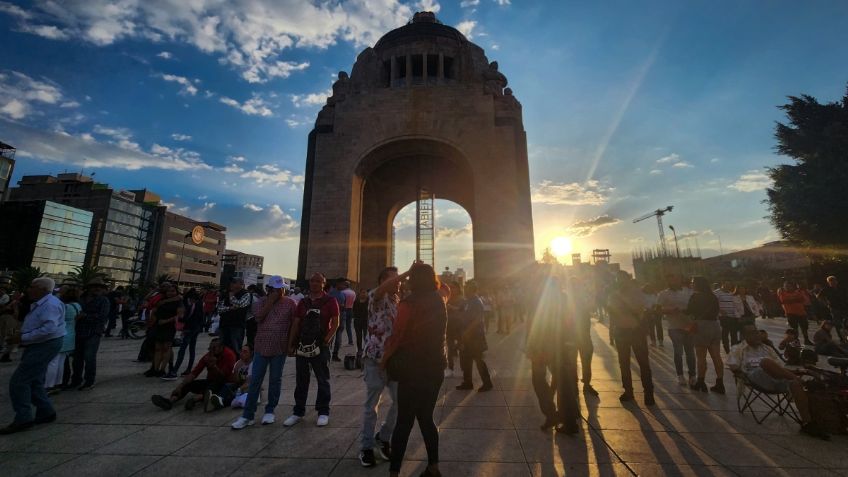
{"points": [[22, 277], [162, 278], [548, 258], [83, 275], [807, 200]]}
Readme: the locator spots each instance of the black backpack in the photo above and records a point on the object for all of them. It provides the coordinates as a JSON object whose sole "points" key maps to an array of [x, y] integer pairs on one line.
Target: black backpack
{"points": [[311, 336]]}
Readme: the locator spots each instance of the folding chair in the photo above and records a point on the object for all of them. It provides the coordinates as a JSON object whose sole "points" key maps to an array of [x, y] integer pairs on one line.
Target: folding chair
{"points": [[748, 393]]}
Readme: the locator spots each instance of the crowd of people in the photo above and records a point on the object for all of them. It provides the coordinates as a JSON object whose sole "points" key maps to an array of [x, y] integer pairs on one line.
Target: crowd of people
{"points": [[408, 331]]}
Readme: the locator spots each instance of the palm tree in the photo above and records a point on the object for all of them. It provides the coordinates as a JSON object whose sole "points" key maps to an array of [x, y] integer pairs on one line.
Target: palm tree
{"points": [[22, 277], [83, 275], [162, 278]]}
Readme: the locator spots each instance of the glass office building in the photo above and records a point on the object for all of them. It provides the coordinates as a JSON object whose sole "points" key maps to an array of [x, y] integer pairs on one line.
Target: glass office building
{"points": [[43, 234], [123, 244]]}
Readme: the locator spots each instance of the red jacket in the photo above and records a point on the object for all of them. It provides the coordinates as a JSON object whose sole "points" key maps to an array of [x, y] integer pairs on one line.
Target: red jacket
{"points": [[793, 302]]}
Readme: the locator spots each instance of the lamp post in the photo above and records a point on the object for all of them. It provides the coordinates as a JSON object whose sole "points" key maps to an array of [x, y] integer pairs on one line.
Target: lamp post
{"points": [[182, 254], [676, 246]]}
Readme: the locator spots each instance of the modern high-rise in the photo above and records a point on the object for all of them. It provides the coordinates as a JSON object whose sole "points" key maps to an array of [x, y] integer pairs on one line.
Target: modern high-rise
{"points": [[7, 167], [190, 252], [50, 236], [122, 238]]}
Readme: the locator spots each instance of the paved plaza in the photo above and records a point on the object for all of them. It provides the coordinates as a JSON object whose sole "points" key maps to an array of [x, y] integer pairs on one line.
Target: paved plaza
{"points": [[114, 430]]}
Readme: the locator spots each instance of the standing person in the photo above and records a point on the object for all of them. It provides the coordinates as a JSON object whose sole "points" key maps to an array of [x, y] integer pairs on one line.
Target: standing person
{"points": [[652, 317], [578, 307], [233, 310], [751, 310], [836, 299], [730, 311], [89, 326], [541, 347], [41, 334], [382, 312], [55, 377], [625, 309], [9, 324], [347, 313], [673, 302], [210, 302], [703, 307], [336, 293], [415, 358], [256, 292], [456, 307], [117, 299], [149, 344], [193, 320], [472, 342], [360, 322], [316, 320], [273, 314], [168, 310], [794, 302]]}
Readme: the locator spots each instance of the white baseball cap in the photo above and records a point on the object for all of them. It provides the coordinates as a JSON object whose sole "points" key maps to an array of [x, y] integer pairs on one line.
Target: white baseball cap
{"points": [[276, 281]]}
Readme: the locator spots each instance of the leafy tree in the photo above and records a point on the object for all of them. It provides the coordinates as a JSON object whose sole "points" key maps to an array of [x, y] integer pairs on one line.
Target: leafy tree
{"points": [[22, 277], [162, 278], [807, 200], [548, 258], [83, 275]]}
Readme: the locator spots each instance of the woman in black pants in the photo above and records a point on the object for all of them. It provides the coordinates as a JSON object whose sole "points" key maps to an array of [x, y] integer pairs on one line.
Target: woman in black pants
{"points": [[415, 358]]}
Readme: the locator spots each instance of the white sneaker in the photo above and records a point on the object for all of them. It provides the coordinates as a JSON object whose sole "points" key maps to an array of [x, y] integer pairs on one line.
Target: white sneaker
{"points": [[291, 420], [241, 423], [268, 418], [323, 421], [681, 380]]}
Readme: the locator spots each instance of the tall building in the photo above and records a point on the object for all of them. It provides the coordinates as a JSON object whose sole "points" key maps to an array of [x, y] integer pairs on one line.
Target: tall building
{"points": [[243, 260], [50, 236], [190, 252], [242, 265], [121, 239], [7, 167]]}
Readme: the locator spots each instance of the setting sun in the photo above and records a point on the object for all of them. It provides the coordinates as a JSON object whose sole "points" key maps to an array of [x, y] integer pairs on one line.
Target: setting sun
{"points": [[561, 246]]}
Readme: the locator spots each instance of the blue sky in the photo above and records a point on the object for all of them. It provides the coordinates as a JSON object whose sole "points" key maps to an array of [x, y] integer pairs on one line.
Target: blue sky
{"points": [[628, 106]]}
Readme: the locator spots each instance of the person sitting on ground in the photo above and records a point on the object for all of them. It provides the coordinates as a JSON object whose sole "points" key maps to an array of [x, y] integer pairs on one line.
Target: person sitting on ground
{"points": [[825, 345], [761, 366], [242, 372], [218, 363], [791, 346]]}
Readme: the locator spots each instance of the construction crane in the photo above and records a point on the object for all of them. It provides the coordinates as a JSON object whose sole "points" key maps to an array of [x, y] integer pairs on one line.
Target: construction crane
{"points": [[659, 215]]}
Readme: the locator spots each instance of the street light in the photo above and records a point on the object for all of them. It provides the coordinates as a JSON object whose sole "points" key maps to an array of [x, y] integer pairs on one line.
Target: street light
{"points": [[676, 246], [182, 254]]}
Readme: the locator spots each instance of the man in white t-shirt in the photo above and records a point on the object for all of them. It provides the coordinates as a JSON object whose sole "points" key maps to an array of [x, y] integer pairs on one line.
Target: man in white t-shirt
{"points": [[761, 365], [673, 302]]}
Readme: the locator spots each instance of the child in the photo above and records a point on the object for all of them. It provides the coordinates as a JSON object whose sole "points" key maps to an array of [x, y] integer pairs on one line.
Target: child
{"points": [[242, 371]]}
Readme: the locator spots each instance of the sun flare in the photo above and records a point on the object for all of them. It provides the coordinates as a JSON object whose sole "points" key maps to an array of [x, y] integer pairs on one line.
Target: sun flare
{"points": [[561, 246]]}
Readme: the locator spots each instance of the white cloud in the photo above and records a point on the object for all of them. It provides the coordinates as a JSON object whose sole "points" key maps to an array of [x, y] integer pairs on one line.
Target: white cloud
{"points": [[682, 164], [591, 192], [466, 27], [669, 159], [253, 207], [252, 36], [448, 232], [503, 2], [180, 137], [188, 86], [655, 172], [165, 55], [20, 95], [751, 181], [715, 160], [45, 31], [116, 150], [255, 106], [311, 99], [272, 175], [585, 228], [428, 6], [238, 158], [469, 3], [692, 234], [293, 123]]}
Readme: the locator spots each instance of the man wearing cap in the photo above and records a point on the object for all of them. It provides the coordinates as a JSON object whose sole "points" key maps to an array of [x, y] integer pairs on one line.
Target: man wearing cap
{"points": [[233, 310], [41, 336], [274, 314], [90, 324]]}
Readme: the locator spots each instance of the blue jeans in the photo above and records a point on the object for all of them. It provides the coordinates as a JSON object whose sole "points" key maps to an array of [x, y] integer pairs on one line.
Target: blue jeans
{"points": [[257, 376], [375, 381], [683, 344], [26, 386], [232, 337], [189, 341], [85, 353], [320, 366]]}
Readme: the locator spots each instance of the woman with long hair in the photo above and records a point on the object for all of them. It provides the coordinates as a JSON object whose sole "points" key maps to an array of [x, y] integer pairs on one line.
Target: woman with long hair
{"points": [[703, 307], [168, 310], [415, 358]]}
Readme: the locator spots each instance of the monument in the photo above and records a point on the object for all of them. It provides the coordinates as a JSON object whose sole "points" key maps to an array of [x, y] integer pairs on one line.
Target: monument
{"points": [[424, 109]]}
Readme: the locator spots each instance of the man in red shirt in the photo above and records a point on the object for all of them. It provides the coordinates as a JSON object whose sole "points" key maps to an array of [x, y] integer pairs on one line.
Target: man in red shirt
{"points": [[315, 323], [794, 302], [213, 390]]}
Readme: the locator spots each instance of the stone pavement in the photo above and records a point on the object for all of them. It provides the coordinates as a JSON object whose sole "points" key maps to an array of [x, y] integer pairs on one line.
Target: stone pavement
{"points": [[114, 430]]}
